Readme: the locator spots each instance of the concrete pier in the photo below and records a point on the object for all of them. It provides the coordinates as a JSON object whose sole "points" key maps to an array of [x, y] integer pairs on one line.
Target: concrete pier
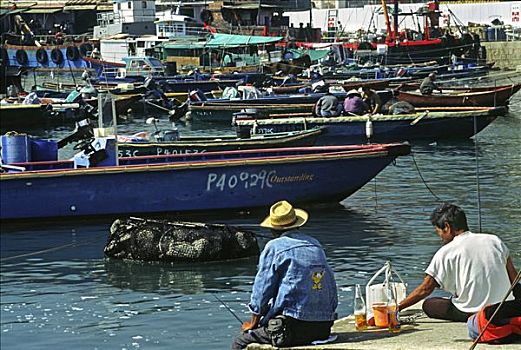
{"points": [[505, 54], [418, 332]]}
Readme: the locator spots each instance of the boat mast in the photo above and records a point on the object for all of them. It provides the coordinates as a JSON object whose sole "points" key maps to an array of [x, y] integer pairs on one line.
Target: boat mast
{"points": [[387, 23], [395, 20]]}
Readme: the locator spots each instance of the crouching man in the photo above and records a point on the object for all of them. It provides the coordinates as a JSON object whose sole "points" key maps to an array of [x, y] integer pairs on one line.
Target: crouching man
{"points": [[294, 295]]}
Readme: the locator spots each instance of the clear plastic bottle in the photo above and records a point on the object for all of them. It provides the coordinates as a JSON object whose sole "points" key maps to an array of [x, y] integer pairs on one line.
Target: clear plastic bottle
{"points": [[359, 310]]}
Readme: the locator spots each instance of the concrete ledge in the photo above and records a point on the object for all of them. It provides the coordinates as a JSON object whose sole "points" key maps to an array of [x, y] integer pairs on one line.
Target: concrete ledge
{"points": [[421, 333], [505, 54]]}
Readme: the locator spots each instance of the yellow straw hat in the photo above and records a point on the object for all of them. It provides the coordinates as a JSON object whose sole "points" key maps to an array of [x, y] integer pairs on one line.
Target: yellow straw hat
{"points": [[284, 217]]}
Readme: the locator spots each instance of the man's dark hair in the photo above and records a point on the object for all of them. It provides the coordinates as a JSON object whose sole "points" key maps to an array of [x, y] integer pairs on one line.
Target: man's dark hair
{"points": [[450, 214]]}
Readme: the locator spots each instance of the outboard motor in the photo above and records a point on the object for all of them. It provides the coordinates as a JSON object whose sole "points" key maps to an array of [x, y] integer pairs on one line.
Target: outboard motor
{"points": [[197, 96]]}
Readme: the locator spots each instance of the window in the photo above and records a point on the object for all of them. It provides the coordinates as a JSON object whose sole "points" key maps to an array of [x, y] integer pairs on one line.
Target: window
{"points": [[119, 6], [129, 4], [144, 4]]}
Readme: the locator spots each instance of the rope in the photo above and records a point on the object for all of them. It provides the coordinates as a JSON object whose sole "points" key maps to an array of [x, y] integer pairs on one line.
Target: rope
{"points": [[47, 250], [477, 172], [423, 180]]}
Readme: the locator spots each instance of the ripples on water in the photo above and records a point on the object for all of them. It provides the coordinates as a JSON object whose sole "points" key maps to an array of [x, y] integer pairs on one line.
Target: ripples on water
{"points": [[73, 297]]}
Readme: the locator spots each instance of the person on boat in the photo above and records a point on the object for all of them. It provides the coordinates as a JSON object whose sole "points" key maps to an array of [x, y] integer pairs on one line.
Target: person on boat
{"points": [[475, 268], [371, 98], [328, 106], [428, 85], [294, 295], [354, 104]]}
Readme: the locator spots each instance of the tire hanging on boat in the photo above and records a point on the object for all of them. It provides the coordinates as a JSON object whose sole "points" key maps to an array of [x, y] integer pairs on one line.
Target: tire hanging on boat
{"points": [[21, 57], [41, 56], [57, 56], [72, 53], [86, 49]]}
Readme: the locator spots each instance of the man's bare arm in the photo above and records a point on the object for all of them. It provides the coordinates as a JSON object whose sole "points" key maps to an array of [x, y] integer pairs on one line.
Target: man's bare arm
{"points": [[422, 291]]}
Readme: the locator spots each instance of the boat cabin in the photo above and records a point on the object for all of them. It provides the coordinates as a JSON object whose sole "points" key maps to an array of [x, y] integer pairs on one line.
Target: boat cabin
{"points": [[179, 26]]}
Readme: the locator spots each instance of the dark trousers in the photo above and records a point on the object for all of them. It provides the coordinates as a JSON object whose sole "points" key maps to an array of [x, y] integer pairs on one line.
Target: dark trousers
{"points": [[300, 333], [444, 309]]}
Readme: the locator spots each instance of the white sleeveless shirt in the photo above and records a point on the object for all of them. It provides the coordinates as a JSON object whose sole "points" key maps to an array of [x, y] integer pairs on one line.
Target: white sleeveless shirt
{"points": [[473, 269]]}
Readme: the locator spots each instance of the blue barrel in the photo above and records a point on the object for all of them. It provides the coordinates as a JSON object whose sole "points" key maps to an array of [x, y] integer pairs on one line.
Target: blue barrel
{"points": [[491, 34], [44, 150], [15, 148], [501, 35]]}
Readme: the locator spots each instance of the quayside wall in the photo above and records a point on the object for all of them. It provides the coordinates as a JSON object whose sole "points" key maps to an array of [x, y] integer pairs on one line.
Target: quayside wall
{"points": [[506, 54]]}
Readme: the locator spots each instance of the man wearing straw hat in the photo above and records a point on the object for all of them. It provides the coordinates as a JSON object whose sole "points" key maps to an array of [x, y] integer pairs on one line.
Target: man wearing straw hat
{"points": [[294, 295]]}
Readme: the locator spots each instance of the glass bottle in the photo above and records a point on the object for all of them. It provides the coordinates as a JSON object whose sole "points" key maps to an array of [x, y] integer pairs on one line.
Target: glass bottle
{"points": [[359, 310], [393, 319]]}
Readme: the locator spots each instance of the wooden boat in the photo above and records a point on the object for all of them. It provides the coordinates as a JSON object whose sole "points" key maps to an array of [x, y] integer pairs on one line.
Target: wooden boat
{"points": [[375, 84], [201, 144], [422, 125], [223, 110], [231, 180], [18, 115], [495, 97]]}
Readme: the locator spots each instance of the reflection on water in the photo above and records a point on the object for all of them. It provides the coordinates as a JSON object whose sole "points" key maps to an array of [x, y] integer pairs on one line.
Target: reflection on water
{"points": [[172, 278], [74, 297]]}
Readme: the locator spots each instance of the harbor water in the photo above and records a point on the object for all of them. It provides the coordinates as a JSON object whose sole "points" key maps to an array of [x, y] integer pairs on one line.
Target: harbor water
{"points": [[59, 292]]}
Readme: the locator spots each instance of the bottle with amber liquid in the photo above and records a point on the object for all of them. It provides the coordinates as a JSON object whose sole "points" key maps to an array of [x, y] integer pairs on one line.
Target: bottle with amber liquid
{"points": [[359, 310], [393, 319]]}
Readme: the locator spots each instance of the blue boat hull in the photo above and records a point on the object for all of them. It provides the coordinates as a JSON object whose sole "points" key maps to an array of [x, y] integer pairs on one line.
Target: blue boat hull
{"points": [[351, 130], [32, 62], [248, 179]]}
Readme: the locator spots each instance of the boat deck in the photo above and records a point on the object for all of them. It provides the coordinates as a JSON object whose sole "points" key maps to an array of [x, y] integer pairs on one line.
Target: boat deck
{"points": [[424, 333]]}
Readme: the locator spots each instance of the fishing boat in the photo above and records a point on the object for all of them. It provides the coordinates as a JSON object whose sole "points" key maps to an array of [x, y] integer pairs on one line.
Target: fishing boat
{"points": [[499, 96], [411, 46], [14, 115], [224, 110], [200, 144], [231, 180], [430, 124]]}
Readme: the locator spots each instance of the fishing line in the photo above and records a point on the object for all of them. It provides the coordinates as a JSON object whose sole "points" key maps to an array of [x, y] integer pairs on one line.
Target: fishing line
{"points": [[423, 180], [47, 250], [477, 171], [228, 308]]}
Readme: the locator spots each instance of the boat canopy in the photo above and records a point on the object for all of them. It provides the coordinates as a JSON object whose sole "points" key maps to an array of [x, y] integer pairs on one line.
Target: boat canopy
{"points": [[231, 40]]}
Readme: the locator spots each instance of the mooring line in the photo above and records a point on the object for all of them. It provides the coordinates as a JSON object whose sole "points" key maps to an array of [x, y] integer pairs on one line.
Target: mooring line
{"points": [[423, 180], [46, 250]]}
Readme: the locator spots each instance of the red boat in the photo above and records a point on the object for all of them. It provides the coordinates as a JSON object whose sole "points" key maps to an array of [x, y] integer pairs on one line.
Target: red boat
{"points": [[408, 46]]}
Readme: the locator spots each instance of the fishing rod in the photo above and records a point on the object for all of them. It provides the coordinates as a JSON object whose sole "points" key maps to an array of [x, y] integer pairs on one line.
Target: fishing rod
{"points": [[228, 308]]}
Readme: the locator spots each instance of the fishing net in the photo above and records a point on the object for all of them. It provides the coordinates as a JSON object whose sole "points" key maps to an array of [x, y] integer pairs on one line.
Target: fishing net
{"points": [[156, 240]]}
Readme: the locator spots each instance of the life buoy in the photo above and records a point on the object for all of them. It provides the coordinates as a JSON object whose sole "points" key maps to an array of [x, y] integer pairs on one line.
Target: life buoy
{"points": [[21, 57], [41, 56], [86, 49], [57, 56], [72, 53]]}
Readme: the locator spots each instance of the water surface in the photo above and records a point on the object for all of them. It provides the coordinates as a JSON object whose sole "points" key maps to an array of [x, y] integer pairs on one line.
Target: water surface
{"points": [[58, 291]]}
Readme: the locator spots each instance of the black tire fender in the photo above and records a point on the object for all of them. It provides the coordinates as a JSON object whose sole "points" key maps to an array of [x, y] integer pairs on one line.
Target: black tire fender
{"points": [[21, 57], [57, 56], [41, 56], [72, 53], [86, 49]]}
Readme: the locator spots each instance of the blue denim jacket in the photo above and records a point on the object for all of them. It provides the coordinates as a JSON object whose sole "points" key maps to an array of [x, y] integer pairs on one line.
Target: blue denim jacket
{"points": [[294, 279]]}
